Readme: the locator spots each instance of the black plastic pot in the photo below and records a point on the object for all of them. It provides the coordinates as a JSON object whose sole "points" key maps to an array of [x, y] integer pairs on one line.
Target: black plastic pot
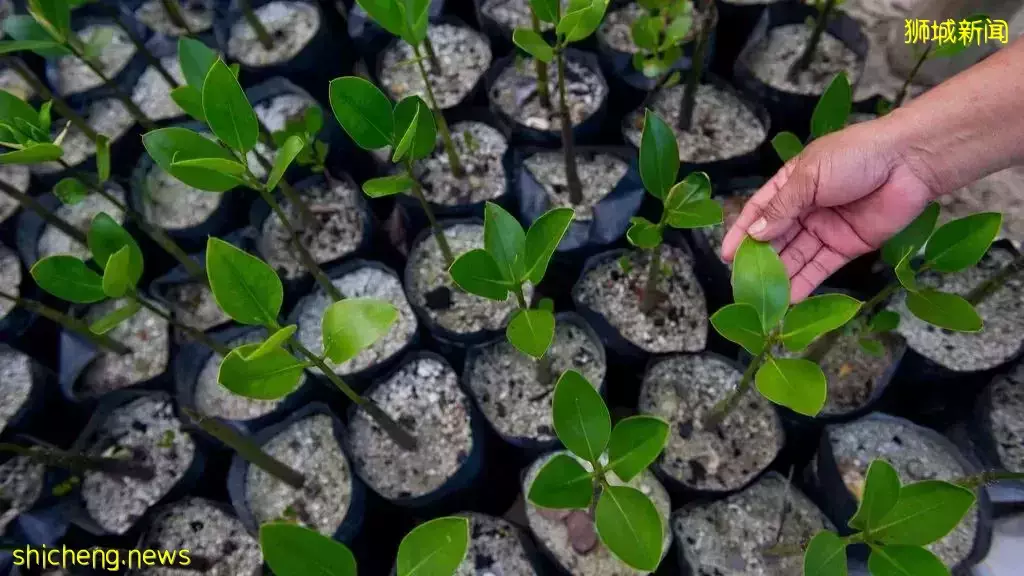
{"points": [[44, 524], [499, 35], [27, 418], [368, 36], [976, 437], [18, 320], [735, 23], [206, 36]]}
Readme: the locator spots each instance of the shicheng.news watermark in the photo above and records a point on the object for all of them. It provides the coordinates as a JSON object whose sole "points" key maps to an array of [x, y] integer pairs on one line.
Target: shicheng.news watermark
{"points": [[102, 559], [974, 31]]}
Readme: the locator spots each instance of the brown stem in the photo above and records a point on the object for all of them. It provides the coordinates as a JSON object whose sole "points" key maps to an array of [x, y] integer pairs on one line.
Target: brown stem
{"points": [[49, 217], [726, 405], [910, 79], [572, 178], [82, 462], [543, 92], [812, 43], [442, 241], [257, 26], [69, 323], [44, 93], [442, 125], [196, 335], [990, 286], [176, 15], [685, 120], [651, 294]]}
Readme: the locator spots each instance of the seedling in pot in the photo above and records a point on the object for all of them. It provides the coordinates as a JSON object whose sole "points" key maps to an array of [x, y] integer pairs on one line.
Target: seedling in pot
{"points": [[686, 204], [825, 9], [659, 36], [436, 547], [625, 519], [580, 21]]}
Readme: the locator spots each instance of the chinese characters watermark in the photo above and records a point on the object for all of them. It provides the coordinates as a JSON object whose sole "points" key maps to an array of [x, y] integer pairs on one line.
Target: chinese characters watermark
{"points": [[968, 32]]}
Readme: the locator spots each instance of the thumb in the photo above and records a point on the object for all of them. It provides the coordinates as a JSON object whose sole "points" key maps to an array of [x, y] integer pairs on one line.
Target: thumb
{"points": [[778, 205]]}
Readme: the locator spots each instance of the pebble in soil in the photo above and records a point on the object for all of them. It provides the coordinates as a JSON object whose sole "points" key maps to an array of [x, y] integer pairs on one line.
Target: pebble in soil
{"points": [[431, 288], [463, 55], [514, 13], [217, 542], [682, 390], [11, 82], [197, 14], [291, 26], [515, 93], [424, 397], [505, 381], [726, 537], [614, 289], [173, 205], [54, 241], [915, 457], [1006, 419], [15, 383], [275, 113], [17, 176], [1002, 312], [73, 75], [480, 148], [722, 126], [569, 535], [145, 430], [617, 28], [108, 116], [340, 227], [599, 174], [495, 548], [311, 447], [193, 304], [21, 485], [145, 334], [773, 59], [152, 93], [10, 279], [365, 282]]}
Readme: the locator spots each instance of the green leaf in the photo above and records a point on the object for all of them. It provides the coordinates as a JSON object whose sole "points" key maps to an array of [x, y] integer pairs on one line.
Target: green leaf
{"points": [[924, 513], [102, 158], [815, 316], [787, 145], [190, 101], [945, 310], [881, 491], [884, 321], [476, 272], [545, 10], [274, 341], [408, 137], [740, 323], [643, 233], [533, 44], [562, 483], [872, 347], [30, 36], [228, 111], [70, 191], [913, 237], [39, 46], [111, 320], [825, 555], [68, 278], [635, 444], [97, 42], [353, 324], [53, 15], [906, 275], [116, 280], [13, 108], [245, 287], [905, 561], [580, 416], [268, 377], [387, 186], [696, 215], [434, 548], [222, 165], [833, 108], [659, 155], [759, 279], [961, 243], [950, 49], [677, 30], [531, 331], [44, 120], [387, 13], [285, 155], [293, 550], [32, 154], [168, 146], [196, 59], [795, 383], [412, 115], [582, 19], [694, 188], [363, 110], [417, 14], [646, 31], [106, 237], [628, 523], [505, 241], [543, 238]]}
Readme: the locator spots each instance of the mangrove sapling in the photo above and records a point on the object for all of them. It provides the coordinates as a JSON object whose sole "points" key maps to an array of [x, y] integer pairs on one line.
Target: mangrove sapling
{"points": [[436, 547], [625, 519], [580, 21], [825, 9], [509, 259], [543, 91], [831, 113], [659, 36], [686, 204]]}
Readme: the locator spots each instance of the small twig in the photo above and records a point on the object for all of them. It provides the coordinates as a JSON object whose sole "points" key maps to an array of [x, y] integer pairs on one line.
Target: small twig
{"points": [[49, 217], [44, 93], [572, 178], [990, 286], [70, 323], [812, 44], [454, 163], [913, 73], [83, 462], [722, 409], [196, 335], [442, 241], [176, 15], [257, 26]]}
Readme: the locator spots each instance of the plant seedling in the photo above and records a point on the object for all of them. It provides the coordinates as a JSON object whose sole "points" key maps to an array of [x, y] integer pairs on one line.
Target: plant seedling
{"points": [[580, 21], [625, 519], [830, 115], [825, 9], [659, 36], [686, 204], [314, 154]]}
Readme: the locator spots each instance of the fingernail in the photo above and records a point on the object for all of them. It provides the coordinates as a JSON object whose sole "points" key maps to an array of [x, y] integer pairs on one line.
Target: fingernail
{"points": [[757, 227]]}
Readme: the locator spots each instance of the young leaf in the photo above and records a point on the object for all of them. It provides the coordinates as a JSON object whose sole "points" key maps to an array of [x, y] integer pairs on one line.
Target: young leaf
{"points": [[106, 237], [833, 108], [32, 154], [111, 320], [227, 110], [245, 287], [825, 555], [29, 35], [759, 279], [635, 444], [881, 491], [353, 324], [545, 10], [913, 237], [414, 120], [542, 240], [70, 191], [408, 136], [274, 342], [815, 316], [787, 145], [872, 347], [387, 186], [531, 331], [629, 525], [582, 19], [906, 275], [476, 272], [169, 145], [196, 59], [944, 310], [285, 155], [533, 44], [116, 280], [884, 321], [904, 560], [363, 111], [505, 241], [643, 233], [12, 108], [646, 31], [387, 13], [68, 278], [924, 512], [41, 47], [293, 550], [268, 377], [416, 14], [97, 42], [45, 121], [696, 215], [580, 416], [962, 243], [659, 155], [53, 15], [190, 101], [434, 547], [795, 383], [102, 158], [215, 165], [740, 323], [562, 483]]}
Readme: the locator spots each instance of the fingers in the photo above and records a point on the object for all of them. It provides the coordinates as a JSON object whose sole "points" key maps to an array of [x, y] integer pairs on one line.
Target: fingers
{"points": [[820, 266], [800, 251]]}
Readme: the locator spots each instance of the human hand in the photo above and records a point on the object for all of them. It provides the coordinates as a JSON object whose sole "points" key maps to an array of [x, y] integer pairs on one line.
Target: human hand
{"points": [[843, 196]]}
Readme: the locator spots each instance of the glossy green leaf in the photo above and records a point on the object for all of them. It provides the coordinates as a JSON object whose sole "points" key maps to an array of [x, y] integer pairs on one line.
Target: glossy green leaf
{"points": [[273, 342], [13, 108], [45, 121], [884, 321], [795, 383], [285, 156], [787, 145], [106, 237], [476, 272], [562, 483], [906, 275], [245, 287], [825, 555], [961, 243], [581, 19], [531, 331], [913, 237], [70, 191], [268, 377], [195, 59], [833, 108], [434, 548], [677, 30], [505, 241], [630, 527], [905, 561], [659, 155], [924, 512], [696, 215], [116, 279], [759, 279], [740, 323], [32, 154], [354, 324], [293, 550], [218, 165], [635, 444], [102, 158], [815, 316], [190, 101], [169, 145], [643, 233], [363, 111], [533, 44], [43, 46], [543, 238], [29, 35], [53, 15], [545, 10], [387, 186], [408, 137], [228, 111], [646, 31], [881, 491], [68, 278], [872, 347], [112, 319], [417, 14], [581, 419], [415, 121], [945, 310], [387, 13], [99, 40], [694, 188]]}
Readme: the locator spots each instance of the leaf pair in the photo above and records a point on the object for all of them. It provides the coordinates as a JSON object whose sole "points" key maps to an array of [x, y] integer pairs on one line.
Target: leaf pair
{"points": [[580, 21], [406, 19], [26, 132], [830, 115]]}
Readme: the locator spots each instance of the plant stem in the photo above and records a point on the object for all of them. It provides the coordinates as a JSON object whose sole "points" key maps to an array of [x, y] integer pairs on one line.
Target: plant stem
{"points": [[435, 64], [140, 46], [305, 214], [685, 120], [196, 335], [44, 93], [82, 462], [442, 125], [724, 406], [176, 15], [247, 448], [116, 90], [572, 178], [979, 480], [543, 93], [651, 294], [812, 43], [990, 286], [390, 427], [257, 26], [906, 83], [442, 241], [69, 323], [49, 217], [543, 371], [820, 348]]}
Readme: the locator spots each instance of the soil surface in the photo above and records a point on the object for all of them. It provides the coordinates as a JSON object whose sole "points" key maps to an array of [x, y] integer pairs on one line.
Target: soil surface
{"points": [[21, 484], [515, 93], [193, 304], [599, 175], [15, 383], [463, 54], [480, 148], [153, 94], [494, 548], [54, 241], [10, 279], [145, 334], [197, 14], [109, 117], [773, 59], [290, 24], [212, 399], [173, 205], [1006, 419], [207, 532], [74, 76]]}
